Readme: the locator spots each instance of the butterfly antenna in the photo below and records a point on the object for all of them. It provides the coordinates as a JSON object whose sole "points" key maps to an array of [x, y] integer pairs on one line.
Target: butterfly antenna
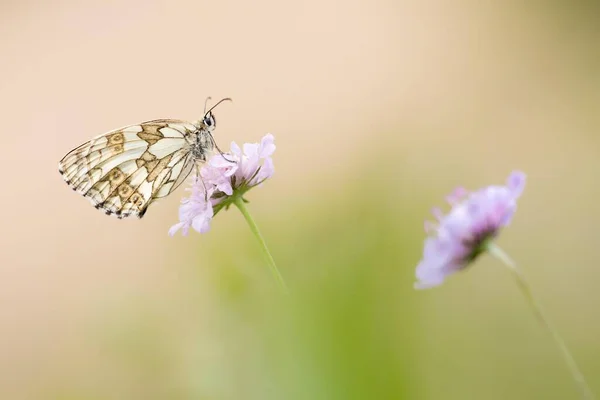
{"points": [[219, 102], [205, 103]]}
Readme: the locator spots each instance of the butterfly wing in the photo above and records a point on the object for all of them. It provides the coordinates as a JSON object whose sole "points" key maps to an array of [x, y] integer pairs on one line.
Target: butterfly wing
{"points": [[123, 171]]}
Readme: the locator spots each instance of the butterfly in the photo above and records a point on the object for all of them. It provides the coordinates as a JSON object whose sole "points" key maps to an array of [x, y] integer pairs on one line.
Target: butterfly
{"points": [[123, 171]]}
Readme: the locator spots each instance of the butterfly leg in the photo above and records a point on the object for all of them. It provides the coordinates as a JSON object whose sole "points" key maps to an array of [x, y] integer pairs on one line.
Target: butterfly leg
{"points": [[219, 150], [199, 177]]}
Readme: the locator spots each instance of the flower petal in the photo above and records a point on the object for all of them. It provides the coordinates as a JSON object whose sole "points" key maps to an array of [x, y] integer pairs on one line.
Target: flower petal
{"points": [[173, 230], [516, 182], [235, 149], [267, 146]]}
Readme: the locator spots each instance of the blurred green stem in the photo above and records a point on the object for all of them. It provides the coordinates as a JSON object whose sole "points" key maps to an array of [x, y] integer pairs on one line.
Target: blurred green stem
{"points": [[539, 313], [241, 205]]}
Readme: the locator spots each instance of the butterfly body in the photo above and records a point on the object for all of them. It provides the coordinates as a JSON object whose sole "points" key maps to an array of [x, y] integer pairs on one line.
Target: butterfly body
{"points": [[123, 171]]}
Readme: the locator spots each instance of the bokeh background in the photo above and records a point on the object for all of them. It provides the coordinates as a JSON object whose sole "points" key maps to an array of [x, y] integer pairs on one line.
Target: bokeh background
{"points": [[379, 108]]}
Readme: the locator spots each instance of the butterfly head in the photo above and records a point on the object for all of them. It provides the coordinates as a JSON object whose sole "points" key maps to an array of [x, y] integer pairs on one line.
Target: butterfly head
{"points": [[209, 122]]}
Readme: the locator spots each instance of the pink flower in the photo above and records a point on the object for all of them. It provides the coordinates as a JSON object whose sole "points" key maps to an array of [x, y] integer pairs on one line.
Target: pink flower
{"points": [[460, 236], [250, 167], [225, 177]]}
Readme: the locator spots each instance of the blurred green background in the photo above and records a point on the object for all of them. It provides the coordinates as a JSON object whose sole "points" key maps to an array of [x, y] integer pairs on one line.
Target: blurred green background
{"points": [[379, 110]]}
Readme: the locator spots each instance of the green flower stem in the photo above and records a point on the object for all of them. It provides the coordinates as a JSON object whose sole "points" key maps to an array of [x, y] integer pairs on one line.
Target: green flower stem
{"points": [[241, 205], [498, 253]]}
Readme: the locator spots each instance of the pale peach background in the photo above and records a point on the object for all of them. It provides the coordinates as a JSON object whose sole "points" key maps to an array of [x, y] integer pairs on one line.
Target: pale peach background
{"points": [[436, 93]]}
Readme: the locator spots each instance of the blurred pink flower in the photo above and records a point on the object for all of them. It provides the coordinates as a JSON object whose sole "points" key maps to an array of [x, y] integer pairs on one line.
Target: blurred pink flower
{"points": [[460, 237], [225, 177]]}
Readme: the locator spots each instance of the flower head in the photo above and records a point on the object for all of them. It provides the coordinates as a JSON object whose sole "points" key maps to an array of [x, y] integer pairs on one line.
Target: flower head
{"points": [[225, 178], [460, 237]]}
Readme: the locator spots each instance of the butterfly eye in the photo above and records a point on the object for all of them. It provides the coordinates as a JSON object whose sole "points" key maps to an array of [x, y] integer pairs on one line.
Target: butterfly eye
{"points": [[209, 120]]}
